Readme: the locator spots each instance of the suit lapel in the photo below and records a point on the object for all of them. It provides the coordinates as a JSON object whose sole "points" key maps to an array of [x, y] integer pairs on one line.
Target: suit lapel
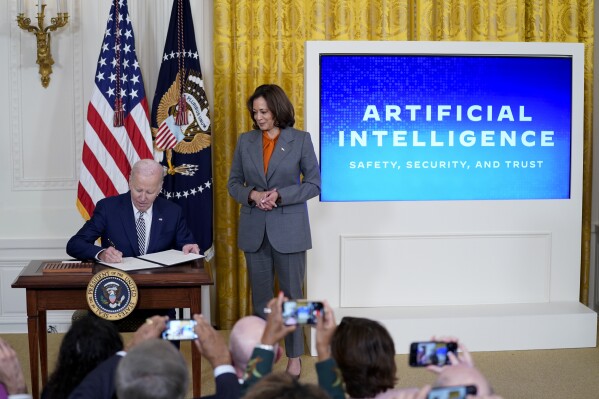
{"points": [[256, 154], [128, 219], [282, 149], [156, 228]]}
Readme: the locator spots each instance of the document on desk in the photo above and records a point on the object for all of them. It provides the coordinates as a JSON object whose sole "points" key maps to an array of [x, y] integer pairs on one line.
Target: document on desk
{"points": [[129, 264], [170, 257], [156, 260]]}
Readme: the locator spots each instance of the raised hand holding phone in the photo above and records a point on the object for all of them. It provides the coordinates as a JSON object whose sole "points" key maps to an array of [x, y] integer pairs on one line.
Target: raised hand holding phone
{"points": [[275, 329], [431, 353], [325, 328], [301, 311], [462, 356], [454, 392], [151, 329], [180, 330], [210, 343]]}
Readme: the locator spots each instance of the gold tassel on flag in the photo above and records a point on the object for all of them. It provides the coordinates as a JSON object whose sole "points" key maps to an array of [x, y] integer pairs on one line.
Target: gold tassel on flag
{"points": [[181, 118], [119, 113]]}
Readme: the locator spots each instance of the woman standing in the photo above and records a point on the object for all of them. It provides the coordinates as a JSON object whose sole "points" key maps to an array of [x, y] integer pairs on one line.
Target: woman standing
{"points": [[274, 172]]}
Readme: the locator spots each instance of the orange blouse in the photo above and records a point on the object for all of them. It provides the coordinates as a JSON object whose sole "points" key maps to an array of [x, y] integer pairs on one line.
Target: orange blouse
{"points": [[268, 146]]}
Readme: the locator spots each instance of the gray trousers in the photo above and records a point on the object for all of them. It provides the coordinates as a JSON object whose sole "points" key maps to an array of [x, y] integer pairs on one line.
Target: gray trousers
{"points": [[290, 270]]}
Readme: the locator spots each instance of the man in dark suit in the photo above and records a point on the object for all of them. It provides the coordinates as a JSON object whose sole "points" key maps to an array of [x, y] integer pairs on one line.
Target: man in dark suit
{"points": [[135, 223], [115, 221], [100, 382], [153, 369]]}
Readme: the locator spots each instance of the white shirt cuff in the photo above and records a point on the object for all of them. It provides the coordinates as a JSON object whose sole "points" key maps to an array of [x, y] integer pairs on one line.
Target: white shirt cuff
{"points": [[20, 396], [225, 368], [98, 254]]}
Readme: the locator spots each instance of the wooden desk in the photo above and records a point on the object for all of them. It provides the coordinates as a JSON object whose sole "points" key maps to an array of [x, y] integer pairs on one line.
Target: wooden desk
{"points": [[171, 287]]}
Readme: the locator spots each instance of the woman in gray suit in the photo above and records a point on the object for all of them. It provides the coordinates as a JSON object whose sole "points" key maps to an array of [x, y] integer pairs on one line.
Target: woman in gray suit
{"points": [[274, 172]]}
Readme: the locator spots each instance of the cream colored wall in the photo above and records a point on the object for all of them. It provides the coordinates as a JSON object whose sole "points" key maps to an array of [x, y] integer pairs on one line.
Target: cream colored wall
{"points": [[42, 129]]}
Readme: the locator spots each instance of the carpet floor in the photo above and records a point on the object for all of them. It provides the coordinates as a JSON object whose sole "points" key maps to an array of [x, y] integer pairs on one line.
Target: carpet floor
{"points": [[530, 374]]}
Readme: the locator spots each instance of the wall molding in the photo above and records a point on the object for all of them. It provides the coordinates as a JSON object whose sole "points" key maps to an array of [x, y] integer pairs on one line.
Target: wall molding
{"points": [[15, 251], [15, 254], [416, 270], [20, 182]]}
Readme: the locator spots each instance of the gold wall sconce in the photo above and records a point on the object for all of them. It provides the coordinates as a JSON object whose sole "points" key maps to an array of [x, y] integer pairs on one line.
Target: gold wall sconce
{"points": [[42, 34]]}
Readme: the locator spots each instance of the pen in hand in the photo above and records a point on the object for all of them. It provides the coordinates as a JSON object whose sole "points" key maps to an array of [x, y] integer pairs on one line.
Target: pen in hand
{"points": [[111, 243], [111, 254]]}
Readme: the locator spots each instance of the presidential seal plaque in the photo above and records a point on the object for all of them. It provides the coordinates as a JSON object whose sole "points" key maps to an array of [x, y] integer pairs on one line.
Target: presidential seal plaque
{"points": [[112, 294]]}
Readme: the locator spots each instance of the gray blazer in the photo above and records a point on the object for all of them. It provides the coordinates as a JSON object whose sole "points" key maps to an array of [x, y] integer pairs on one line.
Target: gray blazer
{"points": [[293, 158]]}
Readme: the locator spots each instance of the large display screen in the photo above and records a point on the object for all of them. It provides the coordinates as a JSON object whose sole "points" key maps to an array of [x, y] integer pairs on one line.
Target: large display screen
{"points": [[425, 127]]}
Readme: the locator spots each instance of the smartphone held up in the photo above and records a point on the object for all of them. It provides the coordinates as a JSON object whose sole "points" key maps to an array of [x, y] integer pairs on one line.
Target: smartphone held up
{"points": [[301, 311], [180, 330], [455, 392], [429, 353]]}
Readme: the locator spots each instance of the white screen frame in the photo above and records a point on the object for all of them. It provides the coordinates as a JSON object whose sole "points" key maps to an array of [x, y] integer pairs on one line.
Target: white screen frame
{"points": [[335, 226]]}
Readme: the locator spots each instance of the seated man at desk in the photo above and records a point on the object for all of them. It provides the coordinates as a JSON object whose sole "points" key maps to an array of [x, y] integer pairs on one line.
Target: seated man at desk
{"points": [[134, 223]]}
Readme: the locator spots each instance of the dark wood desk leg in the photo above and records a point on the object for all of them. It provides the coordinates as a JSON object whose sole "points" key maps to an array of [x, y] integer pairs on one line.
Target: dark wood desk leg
{"points": [[196, 358], [43, 339], [32, 329]]}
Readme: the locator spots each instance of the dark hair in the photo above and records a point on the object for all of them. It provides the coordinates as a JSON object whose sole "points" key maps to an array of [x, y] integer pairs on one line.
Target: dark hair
{"points": [[89, 341], [281, 385], [278, 103], [365, 354]]}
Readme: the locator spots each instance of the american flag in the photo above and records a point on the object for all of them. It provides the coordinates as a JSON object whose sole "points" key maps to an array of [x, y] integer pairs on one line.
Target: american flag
{"points": [[185, 144], [109, 150]]}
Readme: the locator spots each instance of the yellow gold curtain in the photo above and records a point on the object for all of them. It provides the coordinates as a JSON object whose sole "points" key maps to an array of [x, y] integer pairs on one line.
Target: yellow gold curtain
{"points": [[262, 41]]}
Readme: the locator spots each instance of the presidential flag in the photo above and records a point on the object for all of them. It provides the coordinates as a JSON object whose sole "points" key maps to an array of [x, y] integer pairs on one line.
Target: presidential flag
{"points": [[117, 133], [181, 127]]}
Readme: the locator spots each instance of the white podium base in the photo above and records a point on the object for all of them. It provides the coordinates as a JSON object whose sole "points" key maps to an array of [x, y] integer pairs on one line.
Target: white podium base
{"points": [[485, 328]]}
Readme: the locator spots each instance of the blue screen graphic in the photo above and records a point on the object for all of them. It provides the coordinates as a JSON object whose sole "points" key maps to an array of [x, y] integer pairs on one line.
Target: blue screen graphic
{"points": [[437, 127]]}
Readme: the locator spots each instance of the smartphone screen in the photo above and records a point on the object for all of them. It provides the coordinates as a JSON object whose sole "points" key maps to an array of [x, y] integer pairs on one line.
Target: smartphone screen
{"points": [[180, 330], [423, 354], [301, 311], [457, 392]]}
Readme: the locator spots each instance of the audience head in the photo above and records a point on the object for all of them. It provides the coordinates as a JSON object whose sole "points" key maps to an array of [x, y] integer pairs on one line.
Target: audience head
{"points": [[277, 102], [153, 369], [145, 183], [245, 335], [365, 354], [462, 374], [89, 341], [281, 385]]}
